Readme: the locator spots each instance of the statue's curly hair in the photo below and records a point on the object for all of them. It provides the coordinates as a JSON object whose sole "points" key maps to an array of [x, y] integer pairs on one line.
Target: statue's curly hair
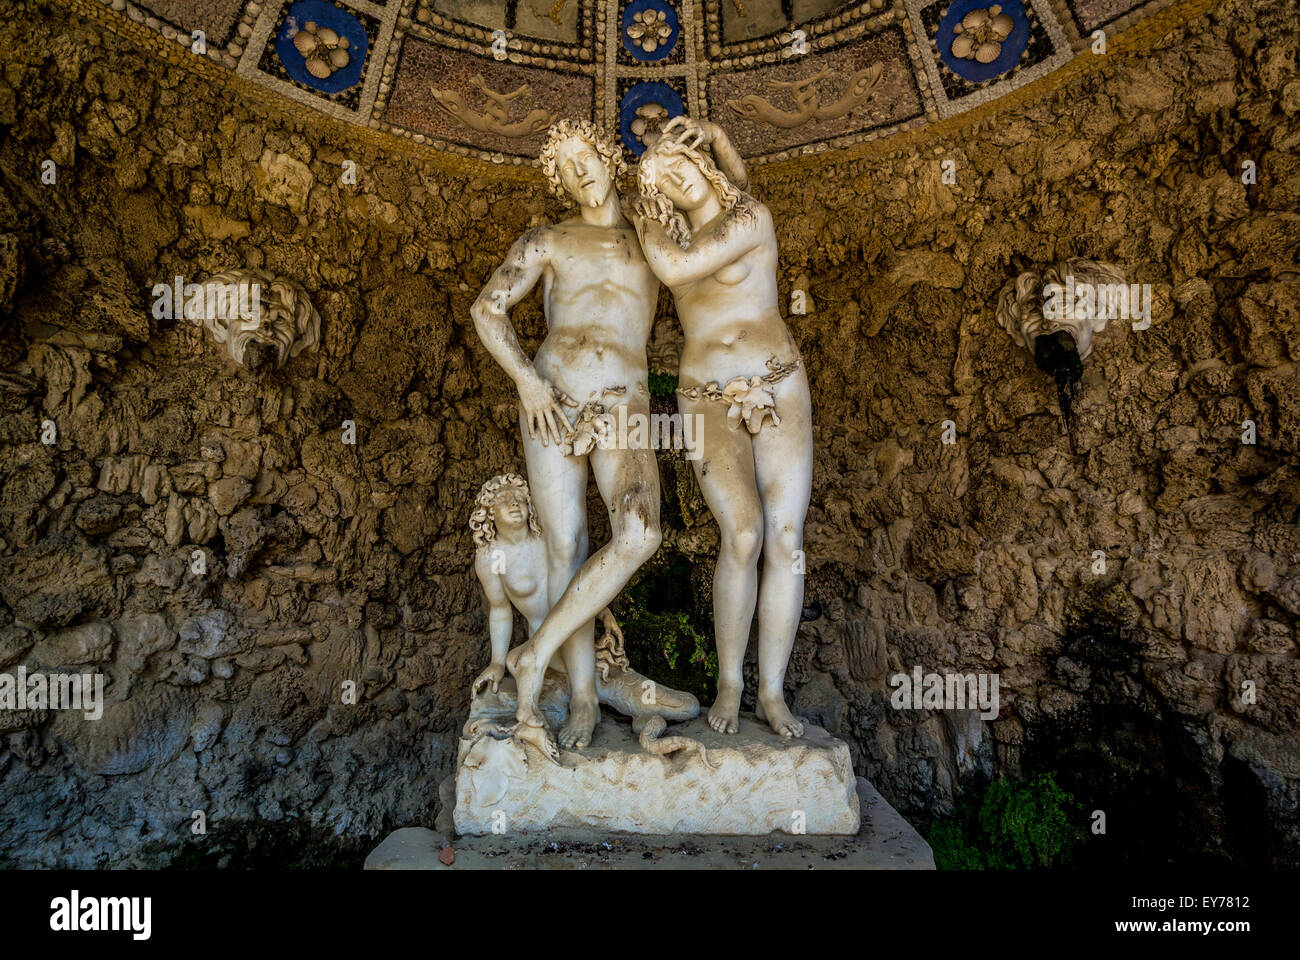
{"points": [[653, 205], [584, 130], [480, 521]]}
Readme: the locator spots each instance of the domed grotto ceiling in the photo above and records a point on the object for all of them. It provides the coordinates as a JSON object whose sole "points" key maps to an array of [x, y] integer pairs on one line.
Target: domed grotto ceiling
{"points": [[486, 78]]}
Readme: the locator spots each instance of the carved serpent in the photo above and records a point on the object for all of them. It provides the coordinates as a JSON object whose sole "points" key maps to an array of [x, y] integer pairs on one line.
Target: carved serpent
{"points": [[653, 726], [612, 663]]}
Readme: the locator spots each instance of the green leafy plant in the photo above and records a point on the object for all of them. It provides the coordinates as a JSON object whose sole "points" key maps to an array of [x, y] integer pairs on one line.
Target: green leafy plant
{"points": [[677, 628], [1038, 821], [663, 385], [1014, 826], [952, 849], [671, 631], [664, 638]]}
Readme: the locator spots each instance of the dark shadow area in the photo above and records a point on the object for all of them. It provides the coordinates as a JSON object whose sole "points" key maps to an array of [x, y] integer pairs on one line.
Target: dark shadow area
{"points": [[1124, 752], [1057, 355]]}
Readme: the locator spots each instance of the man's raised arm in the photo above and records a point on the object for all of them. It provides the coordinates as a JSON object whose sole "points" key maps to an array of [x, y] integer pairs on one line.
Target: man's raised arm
{"points": [[510, 283]]}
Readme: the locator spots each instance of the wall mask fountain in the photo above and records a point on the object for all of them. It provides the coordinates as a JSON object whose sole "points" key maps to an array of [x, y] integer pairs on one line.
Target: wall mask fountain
{"points": [[266, 320], [1053, 311]]}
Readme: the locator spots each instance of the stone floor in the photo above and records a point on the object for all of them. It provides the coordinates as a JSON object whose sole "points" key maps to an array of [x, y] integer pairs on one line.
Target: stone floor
{"points": [[885, 842]]}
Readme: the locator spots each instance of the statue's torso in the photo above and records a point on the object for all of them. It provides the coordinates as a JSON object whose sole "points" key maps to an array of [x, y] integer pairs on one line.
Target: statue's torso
{"points": [[524, 578], [731, 320], [599, 295]]}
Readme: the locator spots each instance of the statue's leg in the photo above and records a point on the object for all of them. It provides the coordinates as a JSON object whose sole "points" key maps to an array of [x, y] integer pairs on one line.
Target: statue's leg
{"points": [[558, 485], [579, 657], [629, 483], [726, 476], [584, 707], [565, 530], [578, 654], [784, 461]]}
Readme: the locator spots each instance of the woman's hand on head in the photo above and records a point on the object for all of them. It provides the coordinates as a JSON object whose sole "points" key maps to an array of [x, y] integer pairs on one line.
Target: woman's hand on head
{"points": [[691, 132]]}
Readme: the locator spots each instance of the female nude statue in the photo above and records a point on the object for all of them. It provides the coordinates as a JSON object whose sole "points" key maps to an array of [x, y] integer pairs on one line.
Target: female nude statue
{"points": [[714, 246], [511, 563]]}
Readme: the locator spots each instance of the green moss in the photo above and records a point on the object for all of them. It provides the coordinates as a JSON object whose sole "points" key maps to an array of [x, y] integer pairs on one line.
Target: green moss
{"points": [[664, 628], [663, 385], [1014, 826]]}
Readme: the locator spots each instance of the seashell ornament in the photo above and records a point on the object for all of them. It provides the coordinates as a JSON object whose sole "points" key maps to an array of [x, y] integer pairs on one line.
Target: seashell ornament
{"points": [[323, 50], [980, 34]]}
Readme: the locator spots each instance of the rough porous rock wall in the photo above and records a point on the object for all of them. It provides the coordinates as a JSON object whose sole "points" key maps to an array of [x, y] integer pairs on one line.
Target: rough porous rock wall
{"points": [[329, 562]]}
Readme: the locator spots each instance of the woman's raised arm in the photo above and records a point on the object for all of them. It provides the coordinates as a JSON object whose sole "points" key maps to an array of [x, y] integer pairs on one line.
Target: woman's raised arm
{"points": [[739, 232]]}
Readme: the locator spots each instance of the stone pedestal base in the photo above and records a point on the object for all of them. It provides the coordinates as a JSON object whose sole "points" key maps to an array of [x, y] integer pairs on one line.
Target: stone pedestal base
{"points": [[885, 841], [752, 783]]}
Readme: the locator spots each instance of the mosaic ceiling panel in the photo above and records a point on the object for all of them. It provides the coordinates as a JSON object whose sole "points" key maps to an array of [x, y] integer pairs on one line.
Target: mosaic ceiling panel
{"points": [[486, 78]]}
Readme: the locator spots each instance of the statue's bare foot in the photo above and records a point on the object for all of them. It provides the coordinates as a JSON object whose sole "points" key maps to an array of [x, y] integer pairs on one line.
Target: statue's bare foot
{"points": [[522, 664], [778, 716], [539, 737], [583, 717], [724, 715]]}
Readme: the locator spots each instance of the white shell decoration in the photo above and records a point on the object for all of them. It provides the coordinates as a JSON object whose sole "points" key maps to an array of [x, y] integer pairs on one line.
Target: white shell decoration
{"points": [[323, 49]]}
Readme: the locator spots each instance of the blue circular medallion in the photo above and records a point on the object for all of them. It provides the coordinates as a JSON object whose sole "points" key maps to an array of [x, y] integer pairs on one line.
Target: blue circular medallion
{"points": [[336, 47], [649, 29], [1009, 47], [643, 95]]}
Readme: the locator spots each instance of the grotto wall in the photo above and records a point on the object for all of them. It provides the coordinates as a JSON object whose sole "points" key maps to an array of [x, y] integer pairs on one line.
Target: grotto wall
{"points": [[329, 562]]}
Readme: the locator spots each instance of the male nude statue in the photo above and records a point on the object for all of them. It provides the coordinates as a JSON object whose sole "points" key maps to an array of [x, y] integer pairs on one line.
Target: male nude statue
{"points": [[599, 298]]}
